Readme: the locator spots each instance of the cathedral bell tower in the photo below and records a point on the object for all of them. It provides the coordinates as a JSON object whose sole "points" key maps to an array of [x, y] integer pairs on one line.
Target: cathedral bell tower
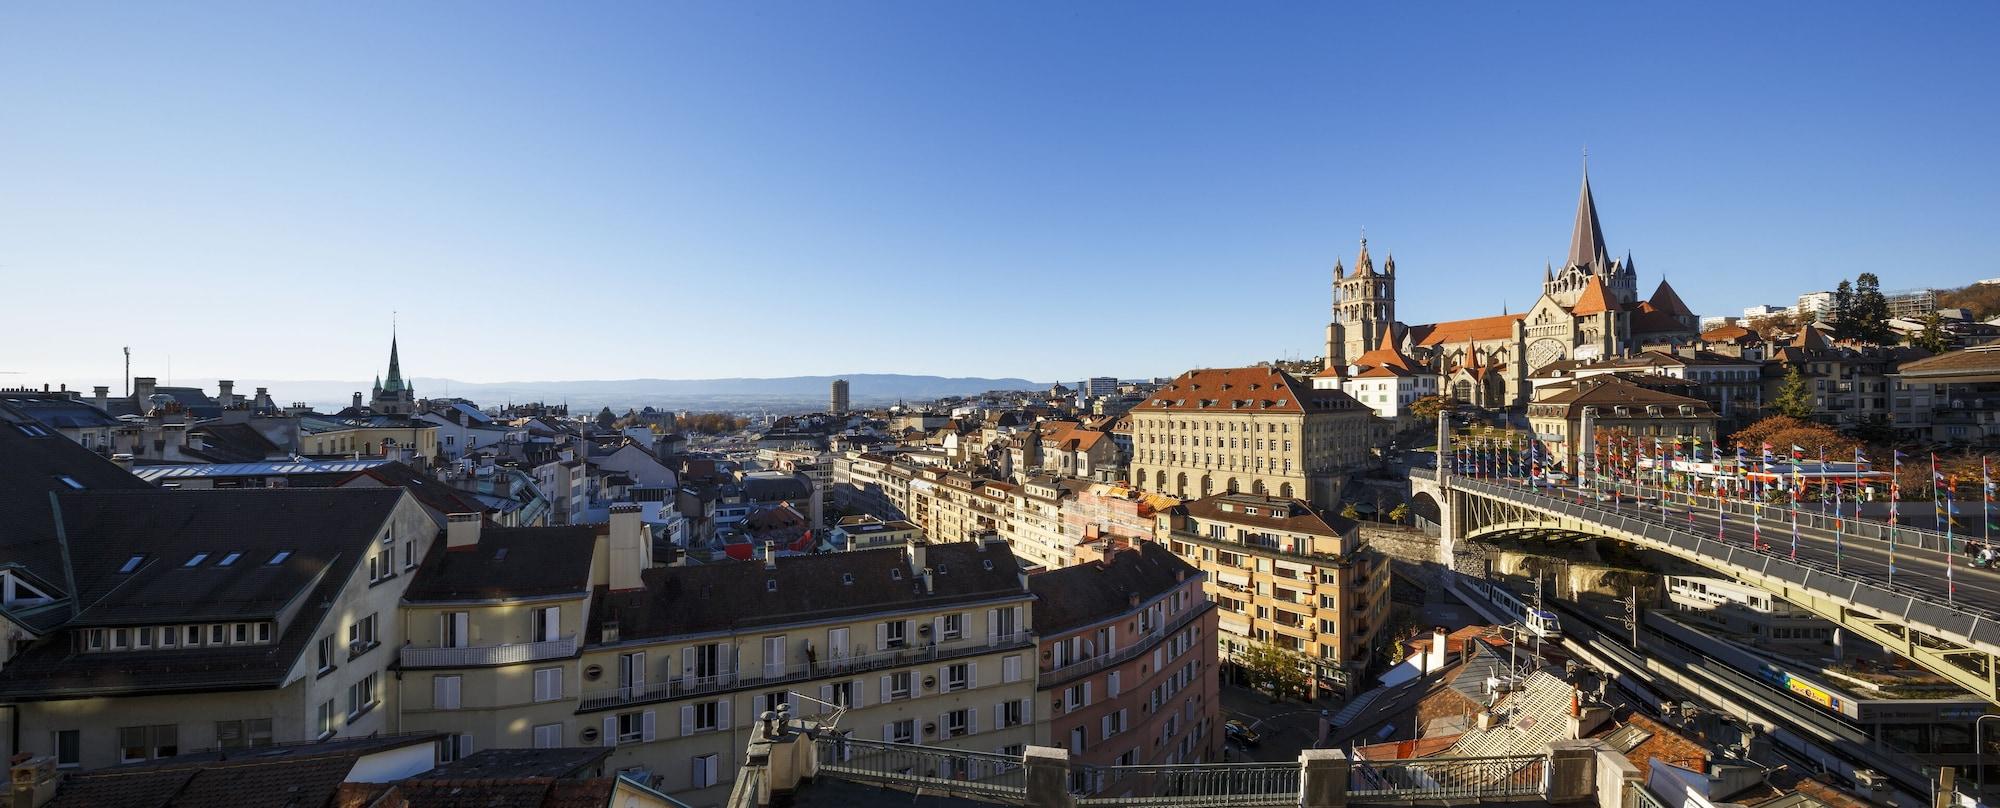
{"points": [[1364, 308]]}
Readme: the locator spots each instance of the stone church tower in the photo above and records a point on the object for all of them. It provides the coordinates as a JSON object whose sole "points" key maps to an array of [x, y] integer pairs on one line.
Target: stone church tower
{"points": [[1364, 308]]}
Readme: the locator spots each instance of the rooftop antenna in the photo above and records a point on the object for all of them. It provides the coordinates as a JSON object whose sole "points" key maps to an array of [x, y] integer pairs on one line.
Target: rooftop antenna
{"points": [[128, 371]]}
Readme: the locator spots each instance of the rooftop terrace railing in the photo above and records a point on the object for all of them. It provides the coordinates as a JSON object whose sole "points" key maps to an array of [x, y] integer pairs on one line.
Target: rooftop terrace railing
{"points": [[1232, 784], [957, 771], [1450, 778]]}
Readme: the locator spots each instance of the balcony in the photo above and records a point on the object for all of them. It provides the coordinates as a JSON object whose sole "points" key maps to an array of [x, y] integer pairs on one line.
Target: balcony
{"points": [[1139, 645], [480, 655], [685, 686]]}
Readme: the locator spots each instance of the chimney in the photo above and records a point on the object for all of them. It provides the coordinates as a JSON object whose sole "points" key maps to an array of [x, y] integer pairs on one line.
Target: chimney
{"points": [[770, 556], [100, 396], [143, 388], [1485, 721], [1434, 656], [461, 531], [916, 548], [631, 547], [226, 391], [357, 400]]}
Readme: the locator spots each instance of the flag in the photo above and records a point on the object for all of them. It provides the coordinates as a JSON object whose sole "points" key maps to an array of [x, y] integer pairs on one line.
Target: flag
{"points": [[1798, 452]]}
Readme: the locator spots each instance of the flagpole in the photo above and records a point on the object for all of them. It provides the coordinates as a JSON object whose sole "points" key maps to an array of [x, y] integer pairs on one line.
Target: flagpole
{"points": [[1895, 493]]}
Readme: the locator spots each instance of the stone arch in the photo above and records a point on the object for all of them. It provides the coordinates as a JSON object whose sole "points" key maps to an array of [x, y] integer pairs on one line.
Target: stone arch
{"points": [[1180, 485], [1285, 490], [1207, 485], [1234, 486], [1425, 507], [1160, 480], [1257, 487]]}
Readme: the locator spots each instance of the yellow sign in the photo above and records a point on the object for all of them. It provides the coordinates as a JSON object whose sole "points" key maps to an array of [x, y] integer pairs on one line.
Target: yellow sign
{"points": [[1816, 695]]}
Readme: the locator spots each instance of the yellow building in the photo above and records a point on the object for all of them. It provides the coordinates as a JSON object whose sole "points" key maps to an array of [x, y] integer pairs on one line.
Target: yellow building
{"points": [[1257, 430], [1284, 574]]}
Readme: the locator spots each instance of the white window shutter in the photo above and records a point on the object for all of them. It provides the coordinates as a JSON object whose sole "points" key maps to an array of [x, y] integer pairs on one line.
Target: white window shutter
{"points": [[937, 629], [825, 697], [1028, 711], [611, 730], [1104, 724], [971, 674], [992, 626], [791, 703], [1010, 669], [710, 761], [942, 678], [885, 690], [1018, 625], [646, 725], [639, 671], [942, 725], [860, 688], [971, 722], [1086, 694], [881, 636], [687, 720], [889, 731], [999, 715], [722, 715], [1111, 640], [1159, 660], [1111, 685], [909, 632], [1124, 720]]}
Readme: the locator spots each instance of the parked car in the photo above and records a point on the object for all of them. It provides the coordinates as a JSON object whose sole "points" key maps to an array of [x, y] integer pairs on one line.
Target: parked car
{"points": [[1240, 732]]}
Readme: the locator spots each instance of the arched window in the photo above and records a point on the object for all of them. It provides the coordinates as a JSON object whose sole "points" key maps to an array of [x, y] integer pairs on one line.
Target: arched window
{"points": [[1257, 487], [1180, 485], [1207, 485], [1285, 490]]}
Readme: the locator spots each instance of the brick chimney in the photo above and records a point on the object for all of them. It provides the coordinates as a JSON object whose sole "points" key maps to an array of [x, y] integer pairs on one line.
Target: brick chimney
{"points": [[631, 547], [461, 531]]}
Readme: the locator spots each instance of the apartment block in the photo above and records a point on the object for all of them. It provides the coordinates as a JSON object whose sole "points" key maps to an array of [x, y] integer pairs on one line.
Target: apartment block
{"points": [[1283, 573]]}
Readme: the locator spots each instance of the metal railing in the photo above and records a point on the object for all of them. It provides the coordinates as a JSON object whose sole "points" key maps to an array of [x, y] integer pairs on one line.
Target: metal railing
{"points": [[1471, 778], [683, 686], [1139, 645], [1191, 783], [502, 654], [905, 765], [1642, 797]]}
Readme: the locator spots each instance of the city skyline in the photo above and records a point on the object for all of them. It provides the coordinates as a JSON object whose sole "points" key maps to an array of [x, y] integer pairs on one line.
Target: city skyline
{"points": [[231, 186]]}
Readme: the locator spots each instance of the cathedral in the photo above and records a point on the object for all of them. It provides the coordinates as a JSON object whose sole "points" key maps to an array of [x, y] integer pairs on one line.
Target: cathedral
{"points": [[393, 396], [1589, 309]]}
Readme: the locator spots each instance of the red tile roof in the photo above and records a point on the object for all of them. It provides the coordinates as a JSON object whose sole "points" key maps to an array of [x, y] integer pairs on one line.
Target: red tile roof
{"points": [[1593, 300], [1253, 389], [1477, 329]]}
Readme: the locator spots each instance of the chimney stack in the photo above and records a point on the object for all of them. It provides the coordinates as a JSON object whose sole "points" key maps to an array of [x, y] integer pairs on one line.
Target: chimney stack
{"points": [[770, 556], [142, 389], [916, 547], [1434, 657], [101, 396], [461, 531], [226, 391], [357, 400], [631, 547]]}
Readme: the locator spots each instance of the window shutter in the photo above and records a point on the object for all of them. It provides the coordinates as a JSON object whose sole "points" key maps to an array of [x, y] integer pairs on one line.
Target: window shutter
{"points": [[1000, 715], [860, 688], [1105, 724], [646, 725], [610, 730], [972, 674], [971, 721], [825, 697], [943, 725], [1159, 659], [1028, 711], [1124, 720], [1086, 694], [881, 636], [942, 678], [937, 629], [722, 715], [709, 764], [1111, 685], [889, 731], [1010, 669], [1111, 640], [1018, 625], [909, 632], [992, 626], [885, 690], [791, 703], [687, 667], [639, 670], [687, 720]]}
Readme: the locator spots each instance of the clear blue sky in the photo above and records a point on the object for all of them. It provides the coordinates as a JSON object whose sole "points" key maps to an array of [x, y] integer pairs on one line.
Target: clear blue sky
{"points": [[569, 191]]}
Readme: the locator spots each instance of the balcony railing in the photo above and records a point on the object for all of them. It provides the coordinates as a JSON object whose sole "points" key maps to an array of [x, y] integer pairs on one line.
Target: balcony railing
{"points": [[1467, 779], [476, 655], [1137, 646], [1186, 783], [947, 770], [684, 686]]}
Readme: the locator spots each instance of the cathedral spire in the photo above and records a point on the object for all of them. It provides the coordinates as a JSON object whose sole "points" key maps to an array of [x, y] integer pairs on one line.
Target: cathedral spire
{"points": [[1586, 241], [1363, 265], [395, 381]]}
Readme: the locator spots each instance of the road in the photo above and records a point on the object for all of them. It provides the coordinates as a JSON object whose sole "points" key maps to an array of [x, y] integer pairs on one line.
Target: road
{"points": [[1927, 571]]}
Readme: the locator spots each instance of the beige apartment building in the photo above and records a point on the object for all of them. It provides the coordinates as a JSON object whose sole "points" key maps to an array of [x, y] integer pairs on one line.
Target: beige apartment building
{"points": [[1283, 573], [1127, 673], [492, 627], [924, 643], [1256, 430]]}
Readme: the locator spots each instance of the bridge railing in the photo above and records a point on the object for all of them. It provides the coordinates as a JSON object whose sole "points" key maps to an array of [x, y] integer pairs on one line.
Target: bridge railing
{"points": [[1925, 608]]}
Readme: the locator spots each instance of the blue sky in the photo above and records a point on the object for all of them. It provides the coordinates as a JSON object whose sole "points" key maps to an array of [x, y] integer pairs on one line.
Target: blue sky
{"points": [[570, 191]]}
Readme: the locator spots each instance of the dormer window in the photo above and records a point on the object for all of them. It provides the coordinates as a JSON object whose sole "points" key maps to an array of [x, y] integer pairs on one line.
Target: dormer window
{"points": [[196, 560], [132, 563]]}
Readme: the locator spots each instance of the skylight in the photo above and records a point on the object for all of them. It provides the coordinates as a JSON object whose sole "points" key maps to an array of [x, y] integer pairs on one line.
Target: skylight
{"points": [[132, 563], [70, 481], [196, 560], [279, 558], [228, 559]]}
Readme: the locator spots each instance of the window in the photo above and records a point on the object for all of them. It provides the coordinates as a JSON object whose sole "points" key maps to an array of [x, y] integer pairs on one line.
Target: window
{"points": [[1010, 669], [632, 726], [1076, 739], [957, 677], [1012, 713], [704, 770], [142, 637], [904, 731], [245, 733], [325, 722], [896, 686], [547, 623], [454, 747], [957, 723], [1114, 723], [169, 636], [445, 691], [548, 684], [196, 559], [241, 632], [454, 630], [263, 632], [218, 634], [409, 555], [147, 743], [840, 694], [69, 748], [707, 716], [193, 637], [120, 638], [895, 634], [360, 636], [548, 736], [228, 559], [952, 627], [773, 700], [279, 557], [132, 563], [360, 697], [326, 653]]}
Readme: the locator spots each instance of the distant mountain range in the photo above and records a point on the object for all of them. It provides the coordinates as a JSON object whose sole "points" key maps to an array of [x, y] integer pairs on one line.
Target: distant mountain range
{"points": [[787, 393]]}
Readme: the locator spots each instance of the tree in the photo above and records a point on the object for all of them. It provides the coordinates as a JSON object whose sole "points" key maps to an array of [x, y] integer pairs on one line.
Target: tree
{"points": [[1783, 432], [1399, 513], [605, 419], [1933, 338], [1428, 407], [1275, 670], [1349, 512], [1843, 310], [1793, 397], [1871, 310]]}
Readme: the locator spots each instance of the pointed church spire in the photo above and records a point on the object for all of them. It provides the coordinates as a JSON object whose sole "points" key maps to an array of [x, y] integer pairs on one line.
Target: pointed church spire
{"points": [[1586, 241], [1548, 273], [1389, 266], [1363, 265], [395, 364]]}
